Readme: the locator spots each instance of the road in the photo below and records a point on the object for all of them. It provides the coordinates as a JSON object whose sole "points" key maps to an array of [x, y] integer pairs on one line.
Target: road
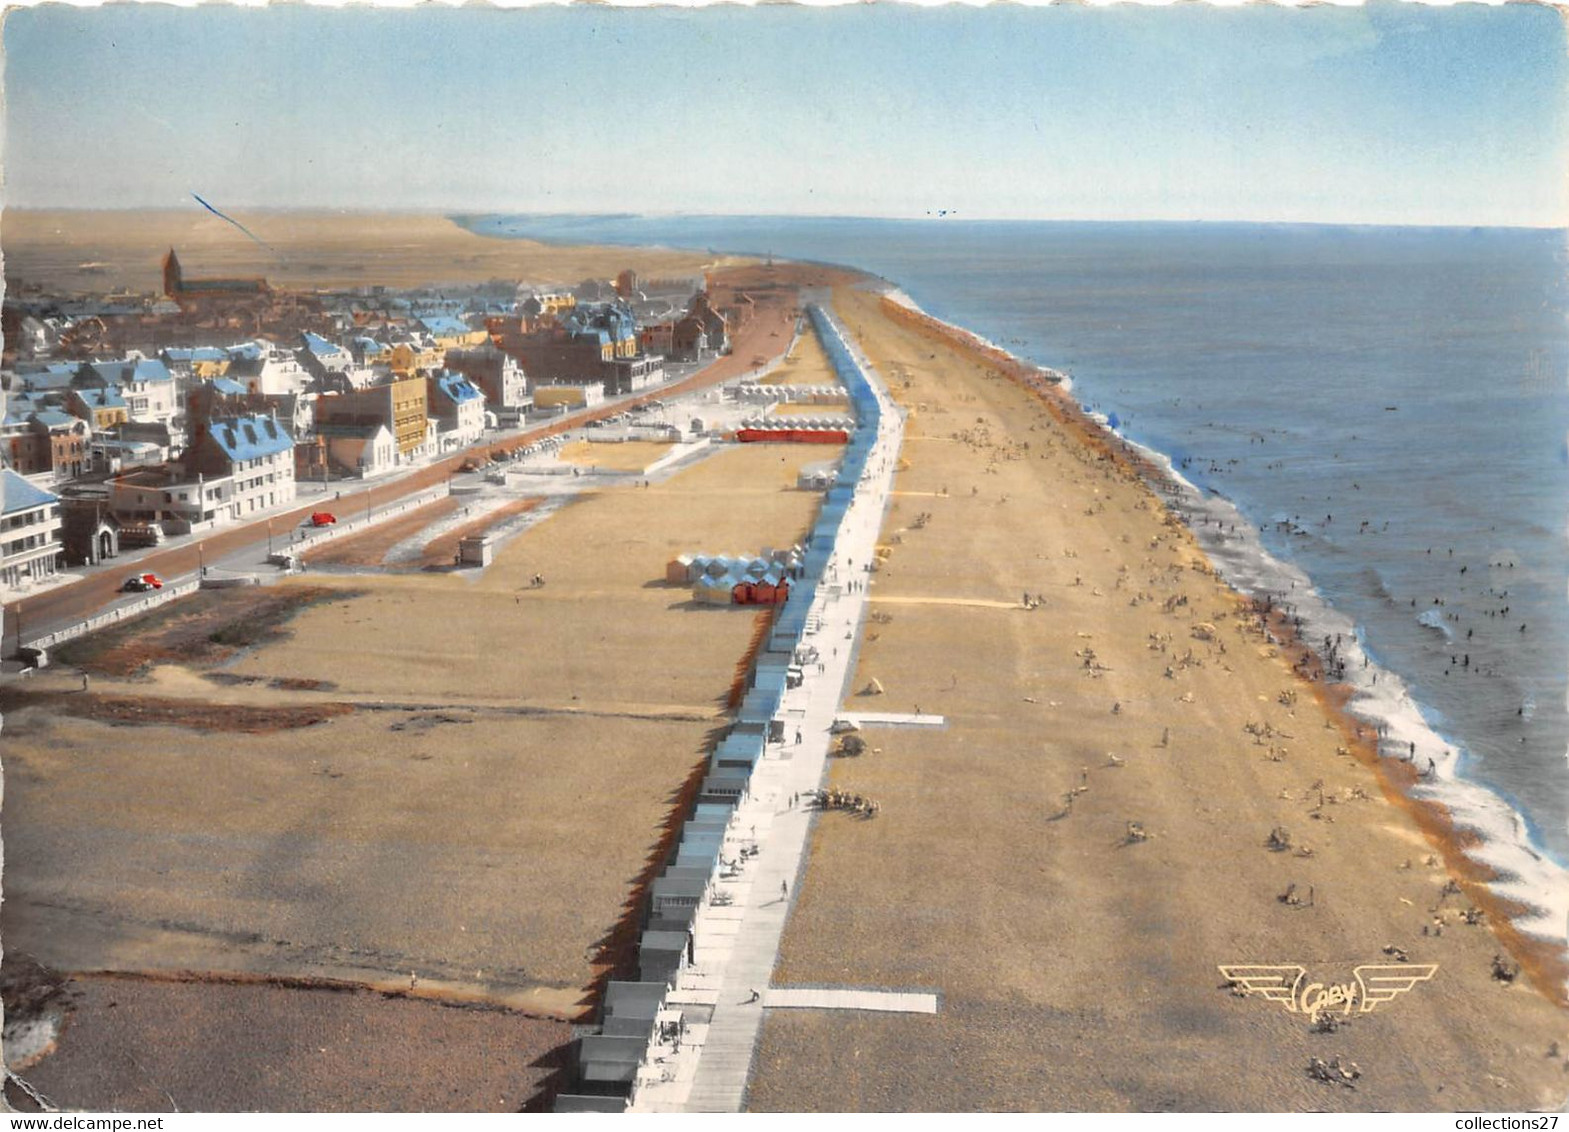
{"points": [[767, 334]]}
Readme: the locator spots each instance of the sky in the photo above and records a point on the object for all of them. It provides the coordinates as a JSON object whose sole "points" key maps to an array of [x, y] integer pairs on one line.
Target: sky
{"points": [[1391, 113]]}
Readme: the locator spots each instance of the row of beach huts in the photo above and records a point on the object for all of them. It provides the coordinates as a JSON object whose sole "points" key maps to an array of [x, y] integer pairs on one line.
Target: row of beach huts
{"points": [[637, 1012]]}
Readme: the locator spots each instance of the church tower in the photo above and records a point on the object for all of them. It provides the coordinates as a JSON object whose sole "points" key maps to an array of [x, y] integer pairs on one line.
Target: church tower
{"points": [[173, 282]]}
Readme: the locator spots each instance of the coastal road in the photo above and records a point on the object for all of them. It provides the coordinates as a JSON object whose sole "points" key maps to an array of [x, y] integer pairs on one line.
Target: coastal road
{"points": [[767, 334]]}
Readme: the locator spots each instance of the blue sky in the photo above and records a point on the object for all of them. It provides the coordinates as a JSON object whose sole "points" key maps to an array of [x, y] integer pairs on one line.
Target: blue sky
{"points": [[1386, 114]]}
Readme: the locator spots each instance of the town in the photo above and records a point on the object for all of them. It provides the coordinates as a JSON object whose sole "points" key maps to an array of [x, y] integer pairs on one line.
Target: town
{"points": [[133, 420]]}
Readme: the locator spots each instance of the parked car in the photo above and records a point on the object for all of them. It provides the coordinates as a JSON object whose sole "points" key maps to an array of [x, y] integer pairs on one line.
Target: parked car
{"points": [[322, 519], [137, 583]]}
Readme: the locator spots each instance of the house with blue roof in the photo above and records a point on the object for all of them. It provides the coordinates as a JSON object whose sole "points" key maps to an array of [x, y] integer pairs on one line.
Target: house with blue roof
{"points": [[367, 351], [145, 383], [449, 332], [29, 531], [457, 405], [102, 409], [195, 361], [321, 357], [256, 450]]}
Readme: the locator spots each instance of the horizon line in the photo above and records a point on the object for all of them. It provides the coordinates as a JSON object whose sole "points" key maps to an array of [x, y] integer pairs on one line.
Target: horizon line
{"points": [[454, 213]]}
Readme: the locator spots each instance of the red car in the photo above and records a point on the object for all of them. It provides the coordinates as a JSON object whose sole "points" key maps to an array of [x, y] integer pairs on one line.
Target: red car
{"points": [[323, 519], [136, 583]]}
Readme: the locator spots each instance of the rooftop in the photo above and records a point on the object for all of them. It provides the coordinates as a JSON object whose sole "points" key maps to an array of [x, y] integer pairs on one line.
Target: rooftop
{"points": [[16, 494]]}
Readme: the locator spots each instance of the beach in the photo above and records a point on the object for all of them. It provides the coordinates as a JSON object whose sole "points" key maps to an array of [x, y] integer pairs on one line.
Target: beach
{"points": [[455, 789], [100, 251], [1133, 789]]}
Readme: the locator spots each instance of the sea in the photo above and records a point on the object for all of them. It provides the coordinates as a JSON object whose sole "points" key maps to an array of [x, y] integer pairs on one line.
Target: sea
{"points": [[1370, 424]]}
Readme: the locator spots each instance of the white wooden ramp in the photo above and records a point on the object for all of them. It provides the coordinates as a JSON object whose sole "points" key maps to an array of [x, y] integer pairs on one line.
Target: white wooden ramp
{"points": [[823, 998], [892, 719]]}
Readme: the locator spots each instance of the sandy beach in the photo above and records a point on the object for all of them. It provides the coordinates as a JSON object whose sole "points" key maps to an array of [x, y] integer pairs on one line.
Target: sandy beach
{"points": [[97, 252], [1070, 860], [477, 810], [493, 765]]}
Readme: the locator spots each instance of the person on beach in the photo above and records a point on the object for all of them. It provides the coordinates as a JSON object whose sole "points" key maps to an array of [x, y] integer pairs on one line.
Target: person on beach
{"points": [[784, 890]]}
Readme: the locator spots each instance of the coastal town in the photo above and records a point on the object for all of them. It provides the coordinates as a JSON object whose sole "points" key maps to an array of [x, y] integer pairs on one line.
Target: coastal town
{"points": [[639, 693], [140, 419]]}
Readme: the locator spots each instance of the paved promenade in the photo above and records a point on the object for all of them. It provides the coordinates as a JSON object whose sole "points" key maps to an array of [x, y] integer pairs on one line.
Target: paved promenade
{"points": [[740, 926]]}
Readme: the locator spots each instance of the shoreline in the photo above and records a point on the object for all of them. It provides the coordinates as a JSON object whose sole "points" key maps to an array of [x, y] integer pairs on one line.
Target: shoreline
{"points": [[1488, 865]]}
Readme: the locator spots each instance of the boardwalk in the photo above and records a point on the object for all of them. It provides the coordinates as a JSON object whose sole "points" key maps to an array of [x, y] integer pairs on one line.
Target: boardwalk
{"points": [[739, 929]]}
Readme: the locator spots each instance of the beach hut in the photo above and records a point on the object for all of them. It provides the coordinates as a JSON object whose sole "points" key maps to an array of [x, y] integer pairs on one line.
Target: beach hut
{"points": [[765, 591], [634, 1002], [687, 872], [605, 1060], [737, 752], [677, 892], [725, 784], [661, 956], [583, 1102], [678, 571], [768, 663], [712, 591]]}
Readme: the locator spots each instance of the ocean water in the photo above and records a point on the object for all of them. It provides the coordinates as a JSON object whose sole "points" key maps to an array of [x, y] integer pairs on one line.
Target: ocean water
{"points": [[1382, 414]]}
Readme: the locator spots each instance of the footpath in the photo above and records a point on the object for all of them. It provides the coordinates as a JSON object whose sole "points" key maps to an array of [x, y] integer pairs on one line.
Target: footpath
{"points": [[739, 926]]}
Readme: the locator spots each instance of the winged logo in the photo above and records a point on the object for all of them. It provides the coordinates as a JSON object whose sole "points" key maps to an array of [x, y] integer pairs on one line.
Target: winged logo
{"points": [[1275, 982], [1384, 982], [1286, 983]]}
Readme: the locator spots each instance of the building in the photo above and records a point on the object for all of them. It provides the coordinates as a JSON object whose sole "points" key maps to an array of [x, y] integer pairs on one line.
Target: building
{"points": [[591, 343], [145, 383], [448, 333], [266, 368], [417, 354], [556, 355], [47, 443], [89, 534], [200, 362], [498, 376], [170, 498], [658, 338], [198, 292], [458, 408], [399, 404], [362, 449], [112, 454], [368, 351], [102, 409], [716, 328], [630, 375], [568, 397], [321, 358], [29, 532], [255, 452]]}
